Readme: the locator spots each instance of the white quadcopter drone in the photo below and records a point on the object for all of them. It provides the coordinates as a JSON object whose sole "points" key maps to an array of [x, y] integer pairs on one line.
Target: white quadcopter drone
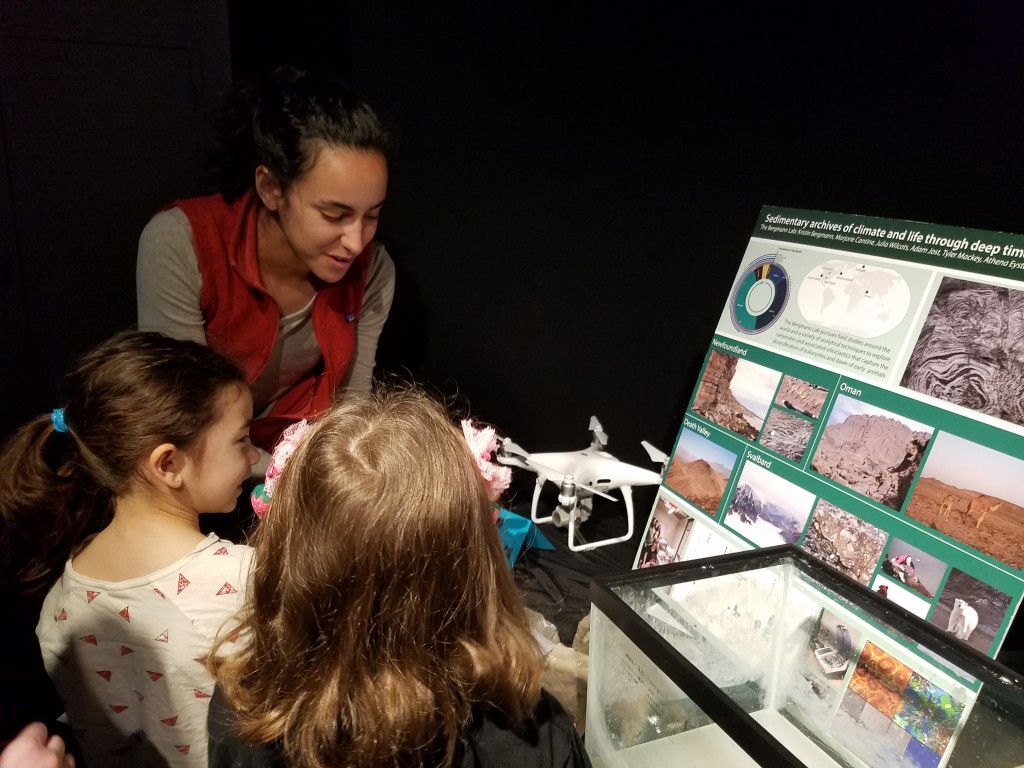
{"points": [[581, 475]]}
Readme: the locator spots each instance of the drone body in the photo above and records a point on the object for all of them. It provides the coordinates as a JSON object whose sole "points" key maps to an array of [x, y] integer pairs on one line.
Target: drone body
{"points": [[581, 475]]}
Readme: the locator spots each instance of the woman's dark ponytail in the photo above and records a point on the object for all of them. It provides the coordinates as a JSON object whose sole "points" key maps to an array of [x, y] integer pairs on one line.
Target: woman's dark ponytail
{"points": [[280, 121]]}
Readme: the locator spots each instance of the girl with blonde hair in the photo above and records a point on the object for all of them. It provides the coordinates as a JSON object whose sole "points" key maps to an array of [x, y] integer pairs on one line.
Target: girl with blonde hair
{"points": [[382, 626]]}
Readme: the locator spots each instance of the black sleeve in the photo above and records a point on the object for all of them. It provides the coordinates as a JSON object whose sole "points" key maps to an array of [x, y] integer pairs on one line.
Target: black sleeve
{"points": [[550, 740], [225, 750], [562, 724], [26, 691], [578, 757]]}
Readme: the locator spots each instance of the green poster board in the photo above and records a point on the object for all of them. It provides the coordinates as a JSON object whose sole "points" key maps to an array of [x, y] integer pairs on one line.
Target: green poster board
{"points": [[863, 398]]}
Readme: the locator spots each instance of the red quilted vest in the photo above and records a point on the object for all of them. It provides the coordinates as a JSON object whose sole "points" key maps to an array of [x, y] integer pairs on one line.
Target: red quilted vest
{"points": [[242, 319]]}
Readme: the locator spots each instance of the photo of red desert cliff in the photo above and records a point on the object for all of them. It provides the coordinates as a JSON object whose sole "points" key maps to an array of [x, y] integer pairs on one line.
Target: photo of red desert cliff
{"points": [[872, 451]]}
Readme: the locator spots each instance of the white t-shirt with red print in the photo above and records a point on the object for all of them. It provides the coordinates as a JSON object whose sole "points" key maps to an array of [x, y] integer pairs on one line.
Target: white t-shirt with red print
{"points": [[126, 657]]}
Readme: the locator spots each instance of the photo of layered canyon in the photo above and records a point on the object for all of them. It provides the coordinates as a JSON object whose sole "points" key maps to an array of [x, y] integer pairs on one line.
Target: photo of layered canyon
{"points": [[735, 394]]}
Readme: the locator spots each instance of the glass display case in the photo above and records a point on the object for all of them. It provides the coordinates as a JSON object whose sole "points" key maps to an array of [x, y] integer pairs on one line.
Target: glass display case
{"points": [[769, 658]]}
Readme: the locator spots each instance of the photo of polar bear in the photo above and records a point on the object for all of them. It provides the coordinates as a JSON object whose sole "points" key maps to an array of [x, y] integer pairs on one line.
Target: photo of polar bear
{"points": [[972, 611], [962, 620]]}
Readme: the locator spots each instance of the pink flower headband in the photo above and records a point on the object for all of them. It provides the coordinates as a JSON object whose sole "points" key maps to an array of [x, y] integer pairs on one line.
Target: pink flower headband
{"points": [[482, 444], [282, 452]]}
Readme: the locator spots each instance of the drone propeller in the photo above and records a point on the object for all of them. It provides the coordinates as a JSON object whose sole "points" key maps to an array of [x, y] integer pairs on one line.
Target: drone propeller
{"points": [[599, 434], [654, 453], [509, 448]]}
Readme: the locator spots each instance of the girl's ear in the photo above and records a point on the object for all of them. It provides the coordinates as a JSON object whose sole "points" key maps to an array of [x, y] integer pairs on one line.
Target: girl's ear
{"points": [[268, 188], [165, 464]]}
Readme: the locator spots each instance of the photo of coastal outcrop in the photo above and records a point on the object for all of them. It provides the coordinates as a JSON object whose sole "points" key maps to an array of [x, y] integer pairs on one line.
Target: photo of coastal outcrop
{"points": [[786, 434], [980, 610], [767, 509], [871, 450], [973, 494], [735, 393], [801, 396], [700, 470], [844, 541], [971, 349]]}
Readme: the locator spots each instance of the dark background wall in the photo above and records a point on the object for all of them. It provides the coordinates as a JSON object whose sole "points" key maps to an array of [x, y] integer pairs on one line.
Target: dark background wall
{"points": [[573, 188], [102, 108]]}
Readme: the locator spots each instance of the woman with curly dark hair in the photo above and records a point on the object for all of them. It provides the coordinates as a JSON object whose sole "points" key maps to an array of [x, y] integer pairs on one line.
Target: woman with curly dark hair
{"points": [[280, 271]]}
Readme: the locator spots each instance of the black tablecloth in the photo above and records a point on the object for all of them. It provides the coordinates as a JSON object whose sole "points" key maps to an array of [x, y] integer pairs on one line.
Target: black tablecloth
{"points": [[556, 583]]}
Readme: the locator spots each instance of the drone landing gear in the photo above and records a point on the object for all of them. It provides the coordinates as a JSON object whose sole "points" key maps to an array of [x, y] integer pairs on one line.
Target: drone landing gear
{"points": [[573, 509]]}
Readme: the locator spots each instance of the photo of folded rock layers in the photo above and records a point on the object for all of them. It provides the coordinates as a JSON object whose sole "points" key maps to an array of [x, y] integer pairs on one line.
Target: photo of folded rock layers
{"points": [[971, 349]]}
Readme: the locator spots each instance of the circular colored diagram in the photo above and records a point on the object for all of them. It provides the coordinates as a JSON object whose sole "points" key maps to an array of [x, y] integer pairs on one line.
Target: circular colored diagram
{"points": [[759, 297]]}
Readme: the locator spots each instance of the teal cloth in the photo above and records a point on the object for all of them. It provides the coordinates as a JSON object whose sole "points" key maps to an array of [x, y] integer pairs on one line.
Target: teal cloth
{"points": [[519, 534]]}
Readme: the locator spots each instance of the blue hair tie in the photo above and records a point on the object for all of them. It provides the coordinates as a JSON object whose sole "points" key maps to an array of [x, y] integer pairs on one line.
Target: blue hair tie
{"points": [[57, 419]]}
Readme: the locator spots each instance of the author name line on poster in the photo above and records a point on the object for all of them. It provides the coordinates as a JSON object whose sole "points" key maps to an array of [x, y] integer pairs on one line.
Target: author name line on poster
{"points": [[977, 259]]}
